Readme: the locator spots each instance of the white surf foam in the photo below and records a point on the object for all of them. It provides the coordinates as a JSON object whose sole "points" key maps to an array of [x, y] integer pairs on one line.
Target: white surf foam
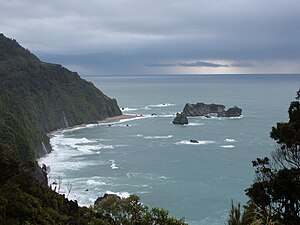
{"points": [[113, 165], [128, 109], [194, 124], [71, 141], [161, 105], [120, 194], [122, 121], [230, 140], [159, 115], [91, 125], [187, 142], [89, 148], [80, 144], [94, 183], [235, 118], [227, 146], [167, 115], [158, 137], [66, 154]]}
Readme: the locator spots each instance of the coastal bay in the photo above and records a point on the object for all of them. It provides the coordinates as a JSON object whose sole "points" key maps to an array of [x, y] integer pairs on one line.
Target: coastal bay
{"points": [[155, 159]]}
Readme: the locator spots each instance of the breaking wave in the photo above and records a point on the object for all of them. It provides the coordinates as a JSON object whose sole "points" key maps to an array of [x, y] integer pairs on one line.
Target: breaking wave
{"points": [[196, 142], [158, 137], [113, 165], [227, 146], [230, 140], [120, 194], [161, 105]]}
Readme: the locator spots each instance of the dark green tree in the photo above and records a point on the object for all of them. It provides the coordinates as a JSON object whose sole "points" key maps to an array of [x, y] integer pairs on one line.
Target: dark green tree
{"points": [[276, 189], [130, 211]]}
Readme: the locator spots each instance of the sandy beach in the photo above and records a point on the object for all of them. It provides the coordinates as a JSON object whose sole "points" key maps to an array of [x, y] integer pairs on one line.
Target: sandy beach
{"points": [[116, 119], [108, 120]]}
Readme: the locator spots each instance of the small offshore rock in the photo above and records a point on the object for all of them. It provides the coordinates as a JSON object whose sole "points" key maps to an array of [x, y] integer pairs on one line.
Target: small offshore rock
{"points": [[180, 119]]}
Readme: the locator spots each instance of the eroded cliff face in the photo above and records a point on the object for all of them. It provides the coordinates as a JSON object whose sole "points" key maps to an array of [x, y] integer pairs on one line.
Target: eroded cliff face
{"points": [[202, 109], [44, 97]]}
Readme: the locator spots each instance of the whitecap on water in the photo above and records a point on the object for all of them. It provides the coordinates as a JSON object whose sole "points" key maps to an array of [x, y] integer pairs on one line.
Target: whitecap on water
{"points": [[73, 142], [158, 137], [213, 117], [80, 144], [161, 105], [120, 194], [230, 140], [113, 165], [235, 118], [194, 124], [197, 142], [90, 148], [227, 146], [167, 115], [160, 115], [128, 109], [94, 183]]}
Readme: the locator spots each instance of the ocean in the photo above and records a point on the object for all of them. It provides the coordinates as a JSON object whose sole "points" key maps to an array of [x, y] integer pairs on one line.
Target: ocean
{"points": [[154, 159]]}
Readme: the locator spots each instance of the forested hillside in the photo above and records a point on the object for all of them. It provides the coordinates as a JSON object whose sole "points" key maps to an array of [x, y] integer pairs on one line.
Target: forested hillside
{"points": [[38, 97]]}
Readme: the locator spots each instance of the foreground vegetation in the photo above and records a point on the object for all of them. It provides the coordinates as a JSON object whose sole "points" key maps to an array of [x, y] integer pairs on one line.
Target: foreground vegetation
{"points": [[24, 200], [275, 194]]}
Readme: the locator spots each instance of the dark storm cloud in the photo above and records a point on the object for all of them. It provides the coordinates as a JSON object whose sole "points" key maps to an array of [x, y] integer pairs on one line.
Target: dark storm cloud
{"points": [[123, 36], [202, 64]]}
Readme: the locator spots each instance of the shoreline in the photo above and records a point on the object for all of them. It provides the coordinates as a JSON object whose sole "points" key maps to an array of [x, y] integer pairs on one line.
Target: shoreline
{"points": [[108, 120], [116, 119]]}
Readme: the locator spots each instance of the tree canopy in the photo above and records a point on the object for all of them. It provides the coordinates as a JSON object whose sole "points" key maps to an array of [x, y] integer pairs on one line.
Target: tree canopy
{"points": [[274, 196]]}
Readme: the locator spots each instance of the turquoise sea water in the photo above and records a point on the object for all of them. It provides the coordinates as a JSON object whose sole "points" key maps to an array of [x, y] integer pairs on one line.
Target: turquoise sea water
{"points": [[154, 159]]}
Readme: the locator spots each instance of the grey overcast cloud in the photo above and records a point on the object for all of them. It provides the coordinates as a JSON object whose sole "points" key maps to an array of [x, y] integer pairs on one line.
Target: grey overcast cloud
{"points": [[95, 37]]}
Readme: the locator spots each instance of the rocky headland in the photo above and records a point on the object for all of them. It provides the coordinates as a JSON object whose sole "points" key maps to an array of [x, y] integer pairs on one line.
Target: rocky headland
{"points": [[37, 98]]}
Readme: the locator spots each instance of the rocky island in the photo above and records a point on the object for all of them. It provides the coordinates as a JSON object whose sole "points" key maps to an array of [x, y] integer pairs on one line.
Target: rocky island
{"points": [[202, 109]]}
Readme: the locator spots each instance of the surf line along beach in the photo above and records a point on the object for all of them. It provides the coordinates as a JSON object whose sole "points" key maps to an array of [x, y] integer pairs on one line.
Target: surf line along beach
{"points": [[116, 119], [108, 120]]}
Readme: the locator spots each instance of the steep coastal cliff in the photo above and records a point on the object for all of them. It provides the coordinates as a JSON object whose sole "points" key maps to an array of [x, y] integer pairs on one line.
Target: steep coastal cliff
{"points": [[38, 97]]}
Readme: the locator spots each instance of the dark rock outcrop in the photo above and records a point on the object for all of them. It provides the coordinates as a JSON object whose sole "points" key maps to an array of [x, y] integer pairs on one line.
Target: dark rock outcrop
{"points": [[233, 112], [202, 109], [180, 119], [194, 141]]}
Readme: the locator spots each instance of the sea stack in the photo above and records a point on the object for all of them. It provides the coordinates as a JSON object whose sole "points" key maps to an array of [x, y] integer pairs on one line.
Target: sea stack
{"points": [[180, 119]]}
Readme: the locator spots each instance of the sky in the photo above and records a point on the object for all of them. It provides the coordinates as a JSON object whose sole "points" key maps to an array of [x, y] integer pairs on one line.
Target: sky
{"points": [[122, 37]]}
